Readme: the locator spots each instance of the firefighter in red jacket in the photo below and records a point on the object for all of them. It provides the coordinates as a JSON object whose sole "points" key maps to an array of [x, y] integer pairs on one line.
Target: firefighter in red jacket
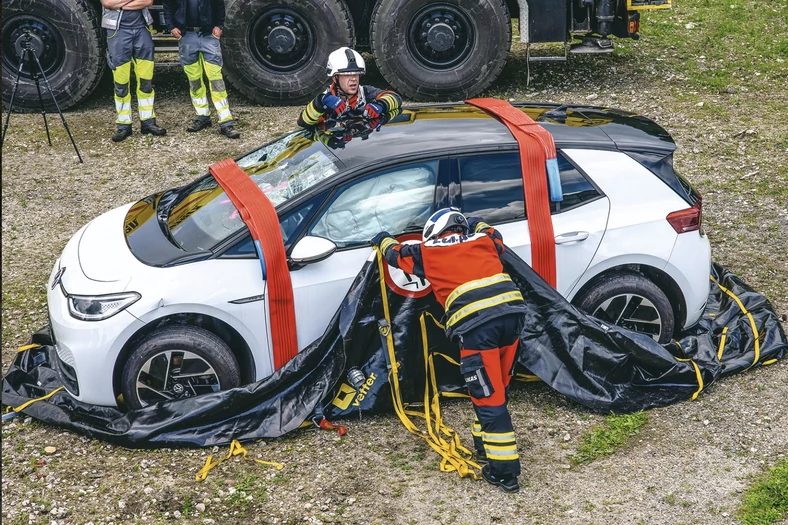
{"points": [[484, 314]]}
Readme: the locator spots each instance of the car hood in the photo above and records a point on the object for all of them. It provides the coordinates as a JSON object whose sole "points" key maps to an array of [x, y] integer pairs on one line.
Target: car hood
{"points": [[103, 252]]}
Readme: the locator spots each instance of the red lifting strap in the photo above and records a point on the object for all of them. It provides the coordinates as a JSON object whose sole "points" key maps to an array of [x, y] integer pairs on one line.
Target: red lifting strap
{"points": [[260, 216], [536, 146]]}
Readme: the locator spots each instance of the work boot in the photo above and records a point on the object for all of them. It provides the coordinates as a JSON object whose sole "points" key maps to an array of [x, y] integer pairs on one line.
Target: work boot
{"points": [[198, 125], [229, 132], [506, 484], [121, 134], [153, 129], [480, 457]]}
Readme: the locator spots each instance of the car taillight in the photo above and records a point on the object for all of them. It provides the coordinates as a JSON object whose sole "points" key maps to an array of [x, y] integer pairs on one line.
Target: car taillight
{"points": [[687, 220]]}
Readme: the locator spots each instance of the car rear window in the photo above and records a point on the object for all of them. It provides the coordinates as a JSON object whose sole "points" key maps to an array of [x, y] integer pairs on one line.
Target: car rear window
{"points": [[492, 187]]}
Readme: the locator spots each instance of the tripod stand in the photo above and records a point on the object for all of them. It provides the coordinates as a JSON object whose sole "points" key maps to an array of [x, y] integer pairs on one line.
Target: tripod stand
{"points": [[28, 56]]}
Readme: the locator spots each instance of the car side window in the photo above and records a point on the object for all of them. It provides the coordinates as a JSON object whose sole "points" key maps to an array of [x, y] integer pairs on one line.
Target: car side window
{"points": [[395, 200], [492, 187], [576, 188], [290, 224]]}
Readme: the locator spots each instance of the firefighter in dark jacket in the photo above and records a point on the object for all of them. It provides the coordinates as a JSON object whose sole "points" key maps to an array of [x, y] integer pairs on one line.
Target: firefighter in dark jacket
{"points": [[345, 97], [197, 24], [129, 42], [484, 314]]}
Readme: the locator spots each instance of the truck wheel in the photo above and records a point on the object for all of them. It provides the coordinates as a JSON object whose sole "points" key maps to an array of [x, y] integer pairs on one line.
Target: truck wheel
{"points": [[440, 50], [629, 300], [276, 52], [177, 362], [67, 38]]}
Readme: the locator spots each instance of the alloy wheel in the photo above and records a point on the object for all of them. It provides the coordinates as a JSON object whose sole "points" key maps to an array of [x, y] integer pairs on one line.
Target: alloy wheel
{"points": [[175, 374], [633, 312]]}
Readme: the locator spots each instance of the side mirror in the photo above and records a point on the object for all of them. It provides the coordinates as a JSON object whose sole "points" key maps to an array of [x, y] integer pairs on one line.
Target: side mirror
{"points": [[311, 249]]}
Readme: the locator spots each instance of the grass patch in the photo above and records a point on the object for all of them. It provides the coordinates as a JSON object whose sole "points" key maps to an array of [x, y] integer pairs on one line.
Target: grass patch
{"points": [[605, 440], [767, 501]]}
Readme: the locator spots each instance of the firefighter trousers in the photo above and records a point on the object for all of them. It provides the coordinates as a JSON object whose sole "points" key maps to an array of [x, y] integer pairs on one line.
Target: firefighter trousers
{"points": [[127, 47], [202, 55], [488, 355]]}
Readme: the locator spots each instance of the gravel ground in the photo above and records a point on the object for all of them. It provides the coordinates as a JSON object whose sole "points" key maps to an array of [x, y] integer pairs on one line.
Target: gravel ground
{"points": [[689, 464]]}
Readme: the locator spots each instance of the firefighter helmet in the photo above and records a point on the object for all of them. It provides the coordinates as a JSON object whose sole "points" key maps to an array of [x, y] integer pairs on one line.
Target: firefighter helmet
{"points": [[444, 220], [345, 61]]}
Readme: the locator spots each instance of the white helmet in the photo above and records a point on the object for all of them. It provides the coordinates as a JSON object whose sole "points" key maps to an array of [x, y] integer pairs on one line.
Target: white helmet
{"points": [[443, 220], [345, 61]]}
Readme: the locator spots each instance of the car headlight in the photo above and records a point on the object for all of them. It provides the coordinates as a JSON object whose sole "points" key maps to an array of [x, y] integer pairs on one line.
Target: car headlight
{"points": [[100, 307]]}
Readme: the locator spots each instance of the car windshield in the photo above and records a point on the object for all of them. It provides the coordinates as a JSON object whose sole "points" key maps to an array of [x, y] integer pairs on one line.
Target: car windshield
{"points": [[200, 215]]}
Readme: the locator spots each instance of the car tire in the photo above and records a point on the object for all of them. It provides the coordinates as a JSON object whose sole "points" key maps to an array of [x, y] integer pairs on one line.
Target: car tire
{"points": [[303, 31], [68, 36], [454, 59], [149, 369], [629, 300]]}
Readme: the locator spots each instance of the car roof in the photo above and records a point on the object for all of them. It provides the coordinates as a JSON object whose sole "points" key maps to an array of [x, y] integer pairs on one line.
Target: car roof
{"points": [[435, 128]]}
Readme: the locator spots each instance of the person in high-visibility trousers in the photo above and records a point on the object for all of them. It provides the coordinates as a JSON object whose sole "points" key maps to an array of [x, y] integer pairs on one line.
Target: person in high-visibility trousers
{"points": [[129, 42], [484, 314], [197, 24]]}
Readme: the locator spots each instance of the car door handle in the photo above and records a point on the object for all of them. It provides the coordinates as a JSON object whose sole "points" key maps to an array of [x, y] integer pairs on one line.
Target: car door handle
{"points": [[566, 238]]}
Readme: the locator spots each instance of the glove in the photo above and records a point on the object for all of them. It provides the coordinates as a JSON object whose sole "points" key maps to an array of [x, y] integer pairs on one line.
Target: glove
{"points": [[473, 222], [377, 239], [373, 110], [334, 103]]}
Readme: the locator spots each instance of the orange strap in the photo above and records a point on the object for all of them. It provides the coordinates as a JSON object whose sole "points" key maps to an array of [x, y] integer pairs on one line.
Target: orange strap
{"points": [[260, 216], [536, 147]]}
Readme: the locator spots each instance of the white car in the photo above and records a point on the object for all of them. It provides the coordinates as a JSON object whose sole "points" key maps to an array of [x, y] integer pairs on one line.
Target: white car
{"points": [[165, 298]]}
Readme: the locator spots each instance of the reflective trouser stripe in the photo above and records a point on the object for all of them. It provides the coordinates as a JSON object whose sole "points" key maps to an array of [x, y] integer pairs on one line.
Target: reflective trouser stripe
{"points": [[143, 69], [214, 74], [121, 75], [199, 95], [476, 431]]}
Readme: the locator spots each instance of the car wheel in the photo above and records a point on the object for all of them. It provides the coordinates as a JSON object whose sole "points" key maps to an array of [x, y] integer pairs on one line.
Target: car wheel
{"points": [[440, 50], [631, 301], [66, 35], [276, 53], [177, 362]]}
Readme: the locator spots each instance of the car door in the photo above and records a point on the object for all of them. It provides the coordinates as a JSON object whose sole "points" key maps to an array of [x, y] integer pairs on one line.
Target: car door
{"points": [[396, 200], [492, 188]]}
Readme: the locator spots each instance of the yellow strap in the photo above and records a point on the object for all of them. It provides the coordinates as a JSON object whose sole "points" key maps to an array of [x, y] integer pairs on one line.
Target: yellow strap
{"points": [[236, 449], [752, 322], [722, 342], [698, 376], [454, 457], [28, 403], [26, 347]]}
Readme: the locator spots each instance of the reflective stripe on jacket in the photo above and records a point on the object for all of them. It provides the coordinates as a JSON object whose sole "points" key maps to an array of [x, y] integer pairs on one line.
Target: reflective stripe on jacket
{"points": [[466, 275]]}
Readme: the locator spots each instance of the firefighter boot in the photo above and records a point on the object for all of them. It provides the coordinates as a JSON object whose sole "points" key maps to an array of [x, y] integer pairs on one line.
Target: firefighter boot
{"points": [[122, 133], [199, 124], [152, 129], [506, 484], [229, 132]]}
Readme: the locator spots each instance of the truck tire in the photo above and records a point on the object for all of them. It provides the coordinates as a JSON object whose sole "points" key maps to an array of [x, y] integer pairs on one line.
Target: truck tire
{"points": [[68, 39], [275, 51], [440, 49]]}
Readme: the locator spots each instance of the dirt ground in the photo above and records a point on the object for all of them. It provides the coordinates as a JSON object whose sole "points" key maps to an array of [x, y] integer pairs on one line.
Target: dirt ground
{"points": [[688, 465]]}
